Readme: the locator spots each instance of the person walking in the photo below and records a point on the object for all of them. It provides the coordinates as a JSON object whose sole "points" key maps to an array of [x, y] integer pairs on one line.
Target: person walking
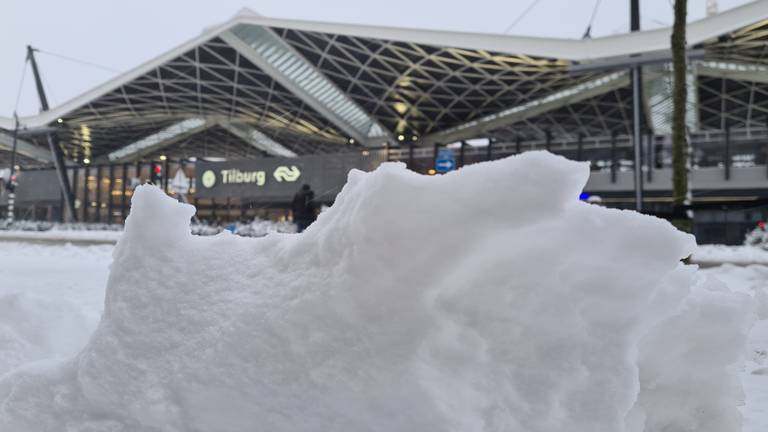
{"points": [[303, 206]]}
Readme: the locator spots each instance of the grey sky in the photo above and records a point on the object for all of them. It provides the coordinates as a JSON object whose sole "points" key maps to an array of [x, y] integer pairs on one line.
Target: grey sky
{"points": [[122, 35]]}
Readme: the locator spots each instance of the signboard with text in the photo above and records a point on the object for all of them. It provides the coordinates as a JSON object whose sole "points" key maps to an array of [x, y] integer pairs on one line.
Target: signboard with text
{"points": [[278, 179]]}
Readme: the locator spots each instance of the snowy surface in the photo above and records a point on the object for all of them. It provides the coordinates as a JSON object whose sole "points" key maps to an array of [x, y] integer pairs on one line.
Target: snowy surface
{"points": [[109, 234], [51, 298], [438, 321], [63, 236], [742, 255]]}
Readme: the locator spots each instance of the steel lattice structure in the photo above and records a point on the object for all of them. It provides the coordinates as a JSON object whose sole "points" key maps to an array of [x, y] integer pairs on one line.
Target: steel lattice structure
{"points": [[255, 87]]}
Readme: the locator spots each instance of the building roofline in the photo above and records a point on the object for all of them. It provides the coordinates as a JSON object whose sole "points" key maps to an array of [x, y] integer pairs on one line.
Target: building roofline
{"points": [[578, 50]]}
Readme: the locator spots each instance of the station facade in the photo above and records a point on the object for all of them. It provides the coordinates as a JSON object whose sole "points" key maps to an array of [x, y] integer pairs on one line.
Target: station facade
{"points": [[235, 120]]}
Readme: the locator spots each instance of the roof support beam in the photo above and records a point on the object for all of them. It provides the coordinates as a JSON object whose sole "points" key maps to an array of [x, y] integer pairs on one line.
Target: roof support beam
{"points": [[657, 96], [256, 138], [268, 51], [733, 70], [25, 148], [476, 128], [161, 139]]}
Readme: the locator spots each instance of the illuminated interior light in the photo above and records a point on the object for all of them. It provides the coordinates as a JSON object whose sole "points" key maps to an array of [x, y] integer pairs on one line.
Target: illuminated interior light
{"points": [[400, 107]]}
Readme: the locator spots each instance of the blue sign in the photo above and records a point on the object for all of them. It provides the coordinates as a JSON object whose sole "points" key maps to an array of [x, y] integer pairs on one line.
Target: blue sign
{"points": [[446, 161]]}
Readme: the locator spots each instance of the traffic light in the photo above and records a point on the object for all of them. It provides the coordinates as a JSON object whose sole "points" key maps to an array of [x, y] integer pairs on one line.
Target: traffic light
{"points": [[11, 186], [157, 174]]}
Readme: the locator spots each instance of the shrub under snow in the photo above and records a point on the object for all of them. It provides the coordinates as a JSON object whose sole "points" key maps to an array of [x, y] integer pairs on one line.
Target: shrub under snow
{"points": [[488, 299]]}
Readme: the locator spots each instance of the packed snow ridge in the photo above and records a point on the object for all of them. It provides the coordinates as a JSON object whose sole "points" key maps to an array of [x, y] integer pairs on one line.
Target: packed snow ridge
{"points": [[487, 299]]}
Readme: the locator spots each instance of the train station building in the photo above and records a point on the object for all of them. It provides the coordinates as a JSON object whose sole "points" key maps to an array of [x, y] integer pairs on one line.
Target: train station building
{"points": [[236, 119]]}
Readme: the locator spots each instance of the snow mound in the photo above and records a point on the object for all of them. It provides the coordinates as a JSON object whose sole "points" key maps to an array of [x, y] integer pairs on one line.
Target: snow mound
{"points": [[487, 299]]}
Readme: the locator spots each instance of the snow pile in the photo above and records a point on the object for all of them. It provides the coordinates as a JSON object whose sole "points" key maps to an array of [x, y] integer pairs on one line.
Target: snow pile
{"points": [[421, 319]]}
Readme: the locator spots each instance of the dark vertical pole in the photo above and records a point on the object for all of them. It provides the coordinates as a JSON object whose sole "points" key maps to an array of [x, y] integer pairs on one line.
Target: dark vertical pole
{"points": [[548, 142], [489, 150], [634, 15], [75, 180], [766, 149], [634, 18], [651, 156], [125, 189], [165, 175], [518, 144], [434, 155], [462, 149], [727, 156], [11, 183], [410, 155], [86, 195], [613, 157], [213, 209], [580, 148], [98, 193], [110, 199], [53, 140], [62, 208]]}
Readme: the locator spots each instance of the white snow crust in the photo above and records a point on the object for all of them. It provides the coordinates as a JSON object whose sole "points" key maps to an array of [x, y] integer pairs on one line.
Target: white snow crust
{"points": [[487, 299], [50, 301]]}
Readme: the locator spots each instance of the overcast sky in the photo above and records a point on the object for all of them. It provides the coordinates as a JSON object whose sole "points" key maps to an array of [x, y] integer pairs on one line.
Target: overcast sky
{"points": [[121, 35]]}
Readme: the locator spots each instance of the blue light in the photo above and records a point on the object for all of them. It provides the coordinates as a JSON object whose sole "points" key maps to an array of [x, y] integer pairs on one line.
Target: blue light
{"points": [[584, 196]]}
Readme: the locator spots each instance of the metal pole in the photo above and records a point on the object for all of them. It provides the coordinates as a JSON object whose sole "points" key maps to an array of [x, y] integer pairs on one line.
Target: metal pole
{"points": [[650, 156], [461, 153], [727, 156], [613, 157], [53, 141], [165, 173], [634, 18], [110, 200], [124, 189], [489, 150], [98, 193], [580, 148], [12, 188], [548, 142], [86, 196]]}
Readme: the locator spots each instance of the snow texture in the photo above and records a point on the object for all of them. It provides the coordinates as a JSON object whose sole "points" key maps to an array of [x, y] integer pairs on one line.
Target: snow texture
{"points": [[742, 255], [50, 301], [415, 303]]}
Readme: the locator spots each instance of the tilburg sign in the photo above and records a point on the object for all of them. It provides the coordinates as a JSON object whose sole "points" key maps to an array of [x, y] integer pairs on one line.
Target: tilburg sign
{"points": [[259, 178], [277, 179]]}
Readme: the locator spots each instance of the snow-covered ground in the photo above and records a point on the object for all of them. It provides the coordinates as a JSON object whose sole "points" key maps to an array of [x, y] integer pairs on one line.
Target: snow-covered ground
{"points": [[51, 297], [741, 255], [487, 328]]}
